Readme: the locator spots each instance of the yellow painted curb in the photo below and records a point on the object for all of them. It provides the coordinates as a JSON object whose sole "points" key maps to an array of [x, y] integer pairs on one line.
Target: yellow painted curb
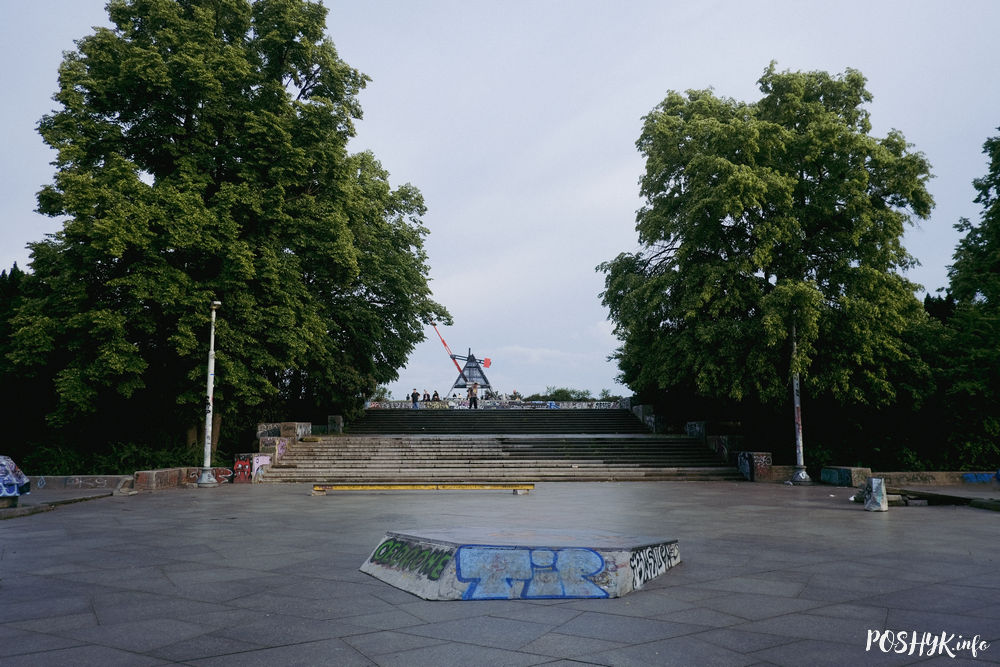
{"points": [[321, 489]]}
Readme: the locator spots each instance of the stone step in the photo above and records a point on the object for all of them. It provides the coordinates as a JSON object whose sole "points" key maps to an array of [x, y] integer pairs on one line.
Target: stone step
{"points": [[424, 446], [483, 471], [488, 465], [512, 451], [497, 421], [540, 476]]}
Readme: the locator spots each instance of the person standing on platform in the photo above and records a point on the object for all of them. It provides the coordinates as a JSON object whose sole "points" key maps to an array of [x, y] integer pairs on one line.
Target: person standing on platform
{"points": [[474, 396], [415, 397]]}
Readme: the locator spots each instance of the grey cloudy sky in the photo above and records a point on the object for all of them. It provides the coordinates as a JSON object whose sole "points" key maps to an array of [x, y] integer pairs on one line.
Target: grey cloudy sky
{"points": [[517, 120]]}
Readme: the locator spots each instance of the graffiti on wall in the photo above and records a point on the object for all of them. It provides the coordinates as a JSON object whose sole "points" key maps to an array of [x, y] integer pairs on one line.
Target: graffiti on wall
{"points": [[419, 559], [221, 475], [458, 403], [242, 468], [755, 466], [259, 461], [274, 445], [268, 430], [652, 561], [503, 573]]}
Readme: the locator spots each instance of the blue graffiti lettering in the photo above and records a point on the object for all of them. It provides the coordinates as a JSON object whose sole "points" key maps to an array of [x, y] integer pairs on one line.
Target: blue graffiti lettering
{"points": [[502, 573]]}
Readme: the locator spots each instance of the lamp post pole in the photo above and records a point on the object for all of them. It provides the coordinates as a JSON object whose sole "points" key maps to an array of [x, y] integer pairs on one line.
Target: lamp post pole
{"points": [[800, 476], [207, 479]]}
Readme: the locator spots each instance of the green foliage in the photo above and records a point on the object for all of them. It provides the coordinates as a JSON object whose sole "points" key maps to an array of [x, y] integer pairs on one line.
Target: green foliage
{"points": [[119, 458], [975, 275], [553, 393], [771, 245], [55, 460], [964, 354], [381, 393], [201, 155]]}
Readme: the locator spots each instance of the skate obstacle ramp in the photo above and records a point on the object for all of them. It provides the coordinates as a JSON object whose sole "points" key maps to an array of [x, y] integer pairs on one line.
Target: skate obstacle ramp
{"points": [[486, 564]]}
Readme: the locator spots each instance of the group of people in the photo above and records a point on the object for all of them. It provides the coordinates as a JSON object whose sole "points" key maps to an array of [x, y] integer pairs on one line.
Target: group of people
{"points": [[415, 397], [473, 397]]}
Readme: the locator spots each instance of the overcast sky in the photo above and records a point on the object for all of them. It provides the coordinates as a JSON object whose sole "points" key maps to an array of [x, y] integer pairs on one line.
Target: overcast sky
{"points": [[518, 120]]}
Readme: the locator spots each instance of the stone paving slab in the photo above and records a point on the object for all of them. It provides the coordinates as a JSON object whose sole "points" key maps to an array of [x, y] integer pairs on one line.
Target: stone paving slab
{"points": [[267, 575]]}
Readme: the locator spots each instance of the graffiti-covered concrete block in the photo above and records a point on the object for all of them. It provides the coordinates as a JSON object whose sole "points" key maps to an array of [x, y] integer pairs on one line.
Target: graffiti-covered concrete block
{"points": [[13, 482], [755, 466], [523, 565], [243, 469], [295, 430], [875, 498]]}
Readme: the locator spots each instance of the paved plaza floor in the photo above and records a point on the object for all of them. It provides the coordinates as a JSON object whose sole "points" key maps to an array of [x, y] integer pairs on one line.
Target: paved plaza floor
{"points": [[268, 575]]}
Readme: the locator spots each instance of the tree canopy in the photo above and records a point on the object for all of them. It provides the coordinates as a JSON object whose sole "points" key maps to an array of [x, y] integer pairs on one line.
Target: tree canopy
{"points": [[970, 368], [202, 155], [768, 221]]}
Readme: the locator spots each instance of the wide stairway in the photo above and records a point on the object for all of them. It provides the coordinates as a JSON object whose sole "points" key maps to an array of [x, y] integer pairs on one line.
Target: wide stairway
{"points": [[427, 446]]}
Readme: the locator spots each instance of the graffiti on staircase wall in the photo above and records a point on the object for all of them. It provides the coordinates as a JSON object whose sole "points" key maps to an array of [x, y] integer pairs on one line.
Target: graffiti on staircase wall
{"points": [[242, 468]]}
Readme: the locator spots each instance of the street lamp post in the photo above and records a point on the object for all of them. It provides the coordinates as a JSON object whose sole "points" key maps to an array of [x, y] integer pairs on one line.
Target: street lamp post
{"points": [[207, 479], [800, 476]]}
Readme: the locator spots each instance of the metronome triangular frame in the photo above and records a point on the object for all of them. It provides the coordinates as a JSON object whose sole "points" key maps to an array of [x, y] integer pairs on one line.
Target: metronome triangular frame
{"points": [[472, 372]]}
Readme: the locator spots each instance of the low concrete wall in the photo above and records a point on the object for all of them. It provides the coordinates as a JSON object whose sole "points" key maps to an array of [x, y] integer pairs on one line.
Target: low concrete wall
{"points": [[113, 483], [845, 475], [782, 473], [937, 477], [154, 480]]}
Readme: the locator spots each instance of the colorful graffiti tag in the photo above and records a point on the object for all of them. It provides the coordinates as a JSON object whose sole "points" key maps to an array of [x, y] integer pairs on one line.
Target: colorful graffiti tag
{"points": [[503, 573], [242, 468], [405, 556], [13, 482]]}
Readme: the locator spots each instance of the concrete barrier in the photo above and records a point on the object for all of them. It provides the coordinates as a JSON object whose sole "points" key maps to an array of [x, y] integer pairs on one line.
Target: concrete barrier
{"points": [[755, 466], [153, 480], [937, 477], [13, 482], [524, 565]]}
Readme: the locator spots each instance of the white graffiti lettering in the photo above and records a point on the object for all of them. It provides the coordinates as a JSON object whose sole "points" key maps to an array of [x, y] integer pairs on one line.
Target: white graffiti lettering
{"points": [[652, 561]]}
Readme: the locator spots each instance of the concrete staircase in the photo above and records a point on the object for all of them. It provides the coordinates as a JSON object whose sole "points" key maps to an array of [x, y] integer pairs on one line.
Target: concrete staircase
{"points": [[507, 422], [497, 446]]}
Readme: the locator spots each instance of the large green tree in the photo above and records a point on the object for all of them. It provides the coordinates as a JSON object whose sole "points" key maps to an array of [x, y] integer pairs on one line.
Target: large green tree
{"points": [[971, 368], [771, 244], [202, 155]]}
